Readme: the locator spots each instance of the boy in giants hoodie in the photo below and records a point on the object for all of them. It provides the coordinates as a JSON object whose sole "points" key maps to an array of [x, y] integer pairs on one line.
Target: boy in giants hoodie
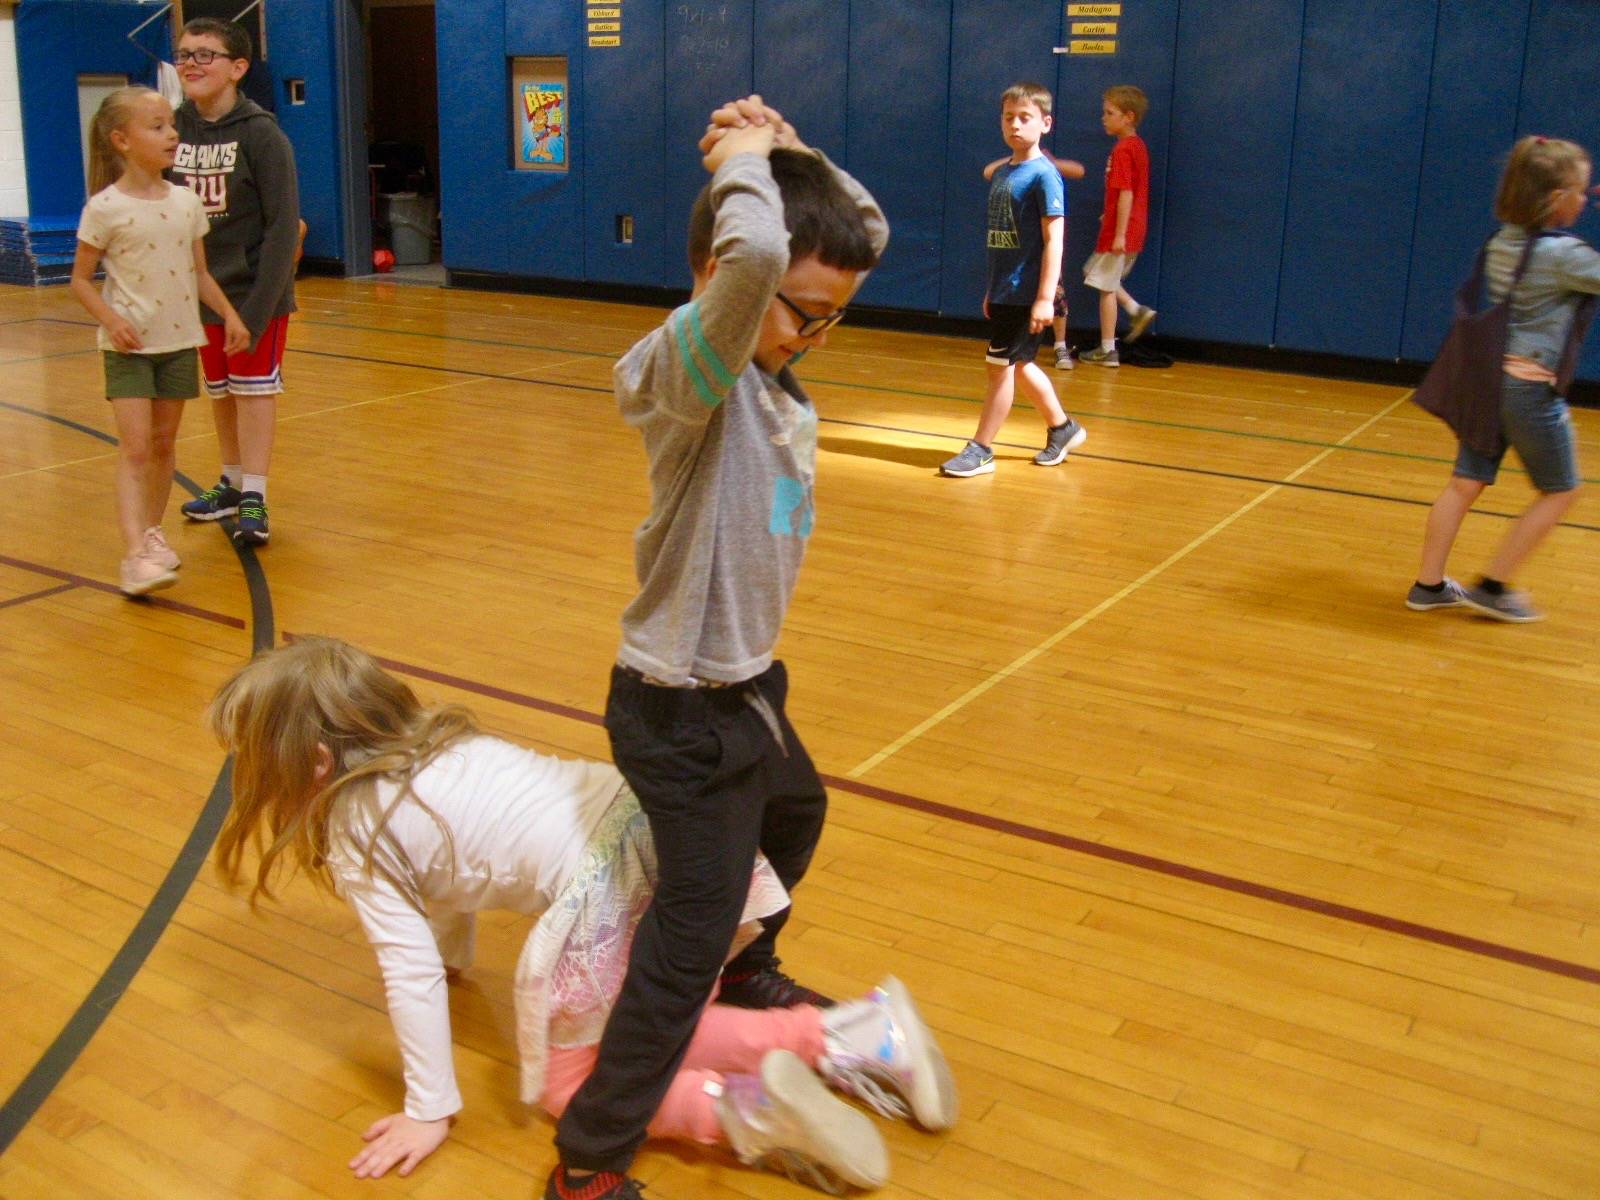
{"points": [[234, 156]]}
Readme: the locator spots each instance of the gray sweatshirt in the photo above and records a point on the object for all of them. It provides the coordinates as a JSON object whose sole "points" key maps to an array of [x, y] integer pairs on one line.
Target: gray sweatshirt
{"points": [[242, 168], [1560, 271], [732, 452]]}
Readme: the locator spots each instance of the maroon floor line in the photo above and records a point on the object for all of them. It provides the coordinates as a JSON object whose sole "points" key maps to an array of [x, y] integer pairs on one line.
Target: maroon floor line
{"points": [[54, 591], [100, 585], [1130, 858]]}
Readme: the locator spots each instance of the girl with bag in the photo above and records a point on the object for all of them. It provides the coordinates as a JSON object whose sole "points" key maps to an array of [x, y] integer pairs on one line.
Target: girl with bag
{"points": [[1502, 374]]}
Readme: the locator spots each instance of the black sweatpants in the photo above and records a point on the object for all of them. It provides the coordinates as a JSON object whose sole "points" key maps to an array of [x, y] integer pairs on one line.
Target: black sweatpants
{"points": [[716, 783]]}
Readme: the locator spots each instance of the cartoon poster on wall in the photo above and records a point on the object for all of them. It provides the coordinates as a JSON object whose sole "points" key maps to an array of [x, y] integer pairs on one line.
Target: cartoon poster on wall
{"points": [[544, 123]]}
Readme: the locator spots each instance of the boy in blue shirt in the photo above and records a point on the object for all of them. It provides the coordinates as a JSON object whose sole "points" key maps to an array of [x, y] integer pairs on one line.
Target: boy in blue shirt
{"points": [[1026, 229]]}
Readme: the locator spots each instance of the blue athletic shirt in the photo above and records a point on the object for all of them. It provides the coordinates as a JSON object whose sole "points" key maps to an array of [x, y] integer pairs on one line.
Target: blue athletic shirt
{"points": [[1020, 196]]}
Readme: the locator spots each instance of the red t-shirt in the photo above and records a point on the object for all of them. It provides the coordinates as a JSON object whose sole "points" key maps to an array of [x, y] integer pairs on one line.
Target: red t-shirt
{"points": [[1128, 169]]}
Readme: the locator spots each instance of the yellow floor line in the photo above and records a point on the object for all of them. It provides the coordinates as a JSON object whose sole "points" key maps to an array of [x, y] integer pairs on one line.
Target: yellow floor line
{"points": [[1109, 602]]}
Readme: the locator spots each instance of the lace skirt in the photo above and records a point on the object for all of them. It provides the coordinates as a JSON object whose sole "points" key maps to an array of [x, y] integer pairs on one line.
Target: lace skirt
{"points": [[572, 965]]}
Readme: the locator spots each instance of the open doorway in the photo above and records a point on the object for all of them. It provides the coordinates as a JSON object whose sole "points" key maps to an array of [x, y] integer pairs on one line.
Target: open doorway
{"points": [[403, 136]]}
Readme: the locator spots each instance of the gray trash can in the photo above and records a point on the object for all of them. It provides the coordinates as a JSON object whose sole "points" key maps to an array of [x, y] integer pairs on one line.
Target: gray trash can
{"points": [[410, 218]]}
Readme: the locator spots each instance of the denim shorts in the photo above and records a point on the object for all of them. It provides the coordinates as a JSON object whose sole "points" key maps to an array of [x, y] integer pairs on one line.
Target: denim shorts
{"points": [[1536, 422]]}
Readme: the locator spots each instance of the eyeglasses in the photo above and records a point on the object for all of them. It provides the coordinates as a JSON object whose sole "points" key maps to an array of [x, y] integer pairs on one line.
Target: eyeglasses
{"points": [[203, 58], [810, 325]]}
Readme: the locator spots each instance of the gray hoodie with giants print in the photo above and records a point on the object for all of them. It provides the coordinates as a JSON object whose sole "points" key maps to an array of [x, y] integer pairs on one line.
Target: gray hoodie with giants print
{"points": [[242, 167]]}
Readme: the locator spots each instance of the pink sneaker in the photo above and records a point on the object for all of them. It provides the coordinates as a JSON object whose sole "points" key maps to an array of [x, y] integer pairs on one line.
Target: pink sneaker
{"points": [[141, 573], [155, 545]]}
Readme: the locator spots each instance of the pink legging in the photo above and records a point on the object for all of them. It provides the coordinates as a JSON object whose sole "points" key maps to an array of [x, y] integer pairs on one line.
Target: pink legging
{"points": [[727, 1039]]}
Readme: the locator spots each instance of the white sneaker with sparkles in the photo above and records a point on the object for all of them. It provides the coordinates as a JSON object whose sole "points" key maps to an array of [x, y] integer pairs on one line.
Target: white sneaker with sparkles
{"points": [[786, 1121]]}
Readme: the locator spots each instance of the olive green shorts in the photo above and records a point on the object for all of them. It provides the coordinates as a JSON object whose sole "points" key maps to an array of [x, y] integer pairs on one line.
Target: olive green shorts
{"points": [[174, 376]]}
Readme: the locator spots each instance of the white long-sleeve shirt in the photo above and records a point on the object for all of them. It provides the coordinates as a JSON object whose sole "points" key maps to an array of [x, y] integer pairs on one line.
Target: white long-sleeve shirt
{"points": [[519, 822]]}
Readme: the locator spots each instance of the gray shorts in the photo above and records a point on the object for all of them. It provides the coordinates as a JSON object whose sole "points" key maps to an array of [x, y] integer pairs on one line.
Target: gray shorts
{"points": [[1104, 271], [1536, 423], [173, 376]]}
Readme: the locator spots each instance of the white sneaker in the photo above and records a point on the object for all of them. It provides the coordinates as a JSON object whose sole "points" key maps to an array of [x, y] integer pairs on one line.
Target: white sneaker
{"points": [[155, 545], [879, 1050], [140, 573], [787, 1121]]}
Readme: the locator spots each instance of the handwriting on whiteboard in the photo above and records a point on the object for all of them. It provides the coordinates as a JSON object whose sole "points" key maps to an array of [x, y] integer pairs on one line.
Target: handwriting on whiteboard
{"points": [[702, 38]]}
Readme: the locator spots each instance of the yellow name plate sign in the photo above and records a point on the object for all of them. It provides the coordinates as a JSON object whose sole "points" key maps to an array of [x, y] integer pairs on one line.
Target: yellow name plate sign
{"points": [[1089, 46], [605, 26], [599, 14], [1094, 10], [606, 40], [1094, 29]]}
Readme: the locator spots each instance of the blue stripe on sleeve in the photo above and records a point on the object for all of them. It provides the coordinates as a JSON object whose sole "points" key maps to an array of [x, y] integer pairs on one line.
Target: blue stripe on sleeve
{"points": [[706, 352], [696, 375]]}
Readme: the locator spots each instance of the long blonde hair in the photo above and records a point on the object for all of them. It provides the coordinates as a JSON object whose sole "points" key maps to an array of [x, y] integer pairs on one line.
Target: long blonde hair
{"points": [[275, 714], [1536, 169], [115, 111]]}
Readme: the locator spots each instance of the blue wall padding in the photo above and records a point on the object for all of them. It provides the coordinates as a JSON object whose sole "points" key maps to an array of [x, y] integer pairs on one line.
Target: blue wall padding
{"points": [[1144, 57], [708, 61], [978, 74], [540, 229], [1471, 122], [1322, 170], [1559, 85], [474, 163], [1353, 179], [898, 104], [620, 147], [802, 66], [300, 40], [58, 40], [1228, 159]]}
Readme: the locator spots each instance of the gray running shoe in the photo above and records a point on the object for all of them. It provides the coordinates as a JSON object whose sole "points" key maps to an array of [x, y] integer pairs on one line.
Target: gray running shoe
{"points": [[1420, 599], [785, 1120], [1064, 359], [973, 460], [1139, 322], [1059, 442], [1101, 357], [880, 1050], [1507, 606]]}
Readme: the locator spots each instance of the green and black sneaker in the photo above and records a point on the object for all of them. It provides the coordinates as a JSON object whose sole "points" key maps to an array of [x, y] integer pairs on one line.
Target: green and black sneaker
{"points": [[252, 530], [214, 503]]}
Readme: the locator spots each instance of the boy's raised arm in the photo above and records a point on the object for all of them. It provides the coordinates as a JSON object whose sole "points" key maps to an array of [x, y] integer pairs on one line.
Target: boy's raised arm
{"points": [[686, 369]]}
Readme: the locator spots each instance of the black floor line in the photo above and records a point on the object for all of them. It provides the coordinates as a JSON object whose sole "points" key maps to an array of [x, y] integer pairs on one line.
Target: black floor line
{"points": [[1088, 456], [58, 1058]]}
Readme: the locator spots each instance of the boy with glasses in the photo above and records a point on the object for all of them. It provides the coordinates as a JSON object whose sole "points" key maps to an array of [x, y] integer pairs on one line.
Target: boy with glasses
{"points": [[778, 243], [232, 153]]}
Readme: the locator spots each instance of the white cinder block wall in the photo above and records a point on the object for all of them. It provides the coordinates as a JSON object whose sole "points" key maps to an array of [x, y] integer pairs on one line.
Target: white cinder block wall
{"points": [[13, 171]]}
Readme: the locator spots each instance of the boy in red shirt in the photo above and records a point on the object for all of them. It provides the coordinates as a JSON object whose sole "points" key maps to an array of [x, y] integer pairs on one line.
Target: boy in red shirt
{"points": [[1122, 226]]}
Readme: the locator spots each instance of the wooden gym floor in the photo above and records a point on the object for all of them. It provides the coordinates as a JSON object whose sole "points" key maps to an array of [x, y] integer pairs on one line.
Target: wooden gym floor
{"points": [[1220, 874]]}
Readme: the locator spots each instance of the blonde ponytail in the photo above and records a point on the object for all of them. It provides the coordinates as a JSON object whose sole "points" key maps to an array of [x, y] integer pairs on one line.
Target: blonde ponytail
{"points": [[115, 111]]}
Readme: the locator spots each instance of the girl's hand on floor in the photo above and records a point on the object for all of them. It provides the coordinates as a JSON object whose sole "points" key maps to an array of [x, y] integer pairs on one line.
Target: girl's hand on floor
{"points": [[398, 1139]]}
